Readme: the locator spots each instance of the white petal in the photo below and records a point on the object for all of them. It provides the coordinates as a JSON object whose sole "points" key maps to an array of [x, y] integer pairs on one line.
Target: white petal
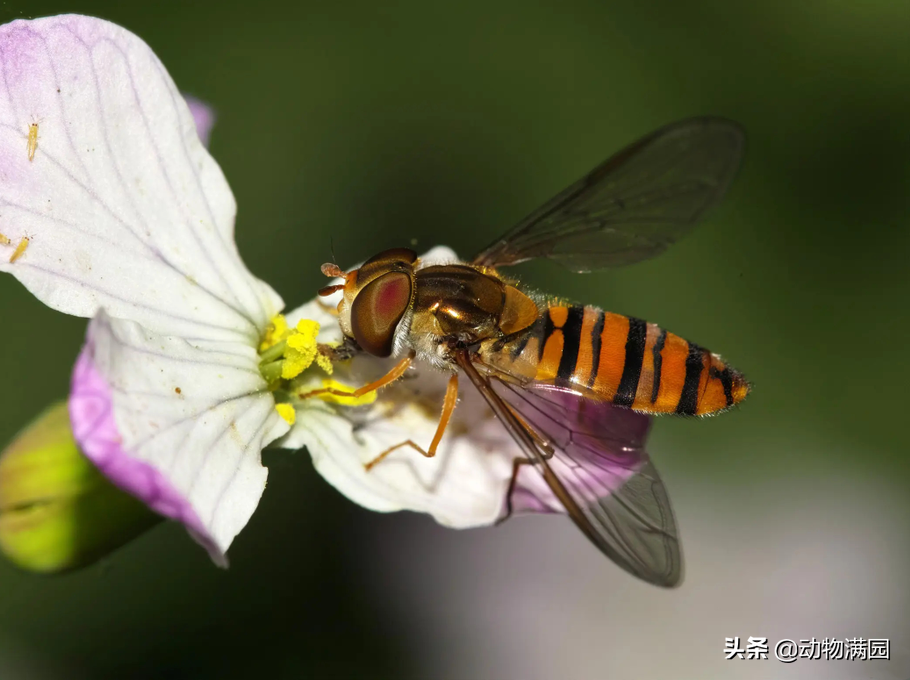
{"points": [[123, 206], [439, 255], [198, 416], [463, 485]]}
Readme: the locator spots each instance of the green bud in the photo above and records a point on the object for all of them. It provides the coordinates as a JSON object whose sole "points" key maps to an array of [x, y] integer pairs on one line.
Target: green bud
{"points": [[57, 512]]}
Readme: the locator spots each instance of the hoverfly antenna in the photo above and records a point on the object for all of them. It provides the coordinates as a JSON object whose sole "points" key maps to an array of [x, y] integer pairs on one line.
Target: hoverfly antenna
{"points": [[333, 271], [328, 290]]}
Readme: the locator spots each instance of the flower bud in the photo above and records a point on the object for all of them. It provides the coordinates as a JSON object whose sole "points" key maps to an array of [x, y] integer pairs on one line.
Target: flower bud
{"points": [[57, 512]]}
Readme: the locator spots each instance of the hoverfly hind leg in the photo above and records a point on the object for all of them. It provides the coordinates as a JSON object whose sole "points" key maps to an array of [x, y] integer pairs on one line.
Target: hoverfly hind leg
{"points": [[546, 450], [516, 464], [448, 407], [378, 459]]}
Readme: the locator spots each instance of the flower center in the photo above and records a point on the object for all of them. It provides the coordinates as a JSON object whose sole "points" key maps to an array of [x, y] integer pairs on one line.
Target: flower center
{"points": [[285, 353]]}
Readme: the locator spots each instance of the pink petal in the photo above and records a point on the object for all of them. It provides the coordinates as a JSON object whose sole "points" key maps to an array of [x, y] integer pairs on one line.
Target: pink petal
{"points": [[92, 419], [599, 447], [203, 116]]}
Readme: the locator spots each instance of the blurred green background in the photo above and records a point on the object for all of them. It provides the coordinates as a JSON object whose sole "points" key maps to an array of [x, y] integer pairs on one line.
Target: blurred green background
{"points": [[370, 125]]}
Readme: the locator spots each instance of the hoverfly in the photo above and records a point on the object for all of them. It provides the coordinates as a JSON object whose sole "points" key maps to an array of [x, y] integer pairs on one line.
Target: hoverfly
{"points": [[574, 385]]}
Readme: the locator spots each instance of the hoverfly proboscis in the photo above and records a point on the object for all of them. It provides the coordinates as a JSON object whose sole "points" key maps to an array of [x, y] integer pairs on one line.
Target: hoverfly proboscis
{"points": [[574, 385]]}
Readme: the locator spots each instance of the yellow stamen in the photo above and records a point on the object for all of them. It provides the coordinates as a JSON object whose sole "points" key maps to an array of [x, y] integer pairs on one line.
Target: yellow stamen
{"points": [[275, 332], [301, 350], [367, 398], [304, 336], [287, 412], [324, 363], [3, 240], [288, 353]]}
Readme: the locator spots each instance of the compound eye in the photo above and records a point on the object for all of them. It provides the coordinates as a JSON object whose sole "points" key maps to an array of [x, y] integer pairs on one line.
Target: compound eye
{"points": [[376, 311], [394, 259]]}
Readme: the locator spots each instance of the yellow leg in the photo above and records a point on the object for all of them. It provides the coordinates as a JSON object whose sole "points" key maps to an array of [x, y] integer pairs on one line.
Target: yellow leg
{"points": [[448, 407]]}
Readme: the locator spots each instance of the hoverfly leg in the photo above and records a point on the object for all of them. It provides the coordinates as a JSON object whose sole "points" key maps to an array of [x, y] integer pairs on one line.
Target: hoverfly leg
{"points": [[546, 450], [448, 407], [408, 442], [390, 377], [516, 464]]}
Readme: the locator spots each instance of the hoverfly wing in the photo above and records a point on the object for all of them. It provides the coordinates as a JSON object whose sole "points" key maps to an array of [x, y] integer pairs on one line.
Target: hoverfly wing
{"points": [[587, 457], [634, 205]]}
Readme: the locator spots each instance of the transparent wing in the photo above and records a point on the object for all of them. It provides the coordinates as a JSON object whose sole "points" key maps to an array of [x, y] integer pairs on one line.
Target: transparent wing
{"points": [[587, 457], [634, 205]]}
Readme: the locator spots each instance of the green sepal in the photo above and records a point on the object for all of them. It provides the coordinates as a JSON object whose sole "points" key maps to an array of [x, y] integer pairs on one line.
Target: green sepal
{"points": [[57, 511]]}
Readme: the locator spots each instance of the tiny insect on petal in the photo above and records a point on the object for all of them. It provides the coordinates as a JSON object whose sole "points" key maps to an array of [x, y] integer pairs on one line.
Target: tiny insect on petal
{"points": [[32, 140], [20, 250]]}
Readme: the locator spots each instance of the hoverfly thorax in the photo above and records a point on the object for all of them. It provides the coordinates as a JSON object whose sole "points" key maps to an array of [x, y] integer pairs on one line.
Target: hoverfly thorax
{"points": [[469, 304], [377, 296]]}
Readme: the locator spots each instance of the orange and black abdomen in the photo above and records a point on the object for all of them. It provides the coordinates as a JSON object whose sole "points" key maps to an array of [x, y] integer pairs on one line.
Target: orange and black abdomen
{"points": [[630, 362]]}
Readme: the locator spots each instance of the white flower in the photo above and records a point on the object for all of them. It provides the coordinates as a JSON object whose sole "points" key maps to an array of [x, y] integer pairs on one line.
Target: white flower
{"points": [[117, 212]]}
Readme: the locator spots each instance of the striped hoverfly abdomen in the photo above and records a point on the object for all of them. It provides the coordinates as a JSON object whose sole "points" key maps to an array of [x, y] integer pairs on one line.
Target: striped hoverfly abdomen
{"points": [[620, 359]]}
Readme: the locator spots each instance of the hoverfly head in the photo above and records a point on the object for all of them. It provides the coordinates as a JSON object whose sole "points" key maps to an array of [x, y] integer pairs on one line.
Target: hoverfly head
{"points": [[376, 298]]}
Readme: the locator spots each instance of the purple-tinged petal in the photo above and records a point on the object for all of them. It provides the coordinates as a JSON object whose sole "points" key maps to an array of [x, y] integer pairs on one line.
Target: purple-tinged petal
{"points": [[122, 205], [203, 116], [599, 447], [94, 428], [179, 426]]}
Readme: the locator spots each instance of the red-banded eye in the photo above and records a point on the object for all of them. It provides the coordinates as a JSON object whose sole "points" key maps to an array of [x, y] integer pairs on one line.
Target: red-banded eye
{"points": [[376, 311]]}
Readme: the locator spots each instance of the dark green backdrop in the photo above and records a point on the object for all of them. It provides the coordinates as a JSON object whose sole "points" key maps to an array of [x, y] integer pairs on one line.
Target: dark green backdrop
{"points": [[371, 124]]}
